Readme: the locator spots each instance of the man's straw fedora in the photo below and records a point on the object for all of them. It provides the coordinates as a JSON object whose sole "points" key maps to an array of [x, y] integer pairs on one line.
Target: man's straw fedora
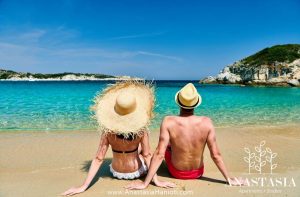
{"points": [[188, 97]]}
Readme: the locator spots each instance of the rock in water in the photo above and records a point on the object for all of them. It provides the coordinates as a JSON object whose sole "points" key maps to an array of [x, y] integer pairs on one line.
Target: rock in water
{"points": [[227, 77], [293, 82], [208, 80]]}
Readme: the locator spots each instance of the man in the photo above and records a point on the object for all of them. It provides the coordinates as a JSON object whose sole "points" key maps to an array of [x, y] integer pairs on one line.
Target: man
{"points": [[182, 141]]}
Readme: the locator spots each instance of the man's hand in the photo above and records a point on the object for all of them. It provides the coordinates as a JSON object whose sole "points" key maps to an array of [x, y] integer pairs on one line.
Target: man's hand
{"points": [[74, 190], [164, 184], [236, 181], [138, 185]]}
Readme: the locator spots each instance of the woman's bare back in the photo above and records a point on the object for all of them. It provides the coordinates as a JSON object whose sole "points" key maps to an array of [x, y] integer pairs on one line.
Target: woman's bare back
{"points": [[125, 162]]}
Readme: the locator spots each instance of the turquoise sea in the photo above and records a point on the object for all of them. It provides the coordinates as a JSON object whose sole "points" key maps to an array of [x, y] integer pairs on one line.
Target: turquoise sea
{"points": [[53, 106]]}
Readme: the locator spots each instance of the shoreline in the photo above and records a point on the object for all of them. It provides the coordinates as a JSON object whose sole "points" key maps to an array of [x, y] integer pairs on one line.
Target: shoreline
{"points": [[104, 79], [156, 129], [280, 85]]}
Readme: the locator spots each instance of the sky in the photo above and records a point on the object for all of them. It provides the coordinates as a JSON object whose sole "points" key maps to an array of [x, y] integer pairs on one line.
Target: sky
{"points": [[165, 39]]}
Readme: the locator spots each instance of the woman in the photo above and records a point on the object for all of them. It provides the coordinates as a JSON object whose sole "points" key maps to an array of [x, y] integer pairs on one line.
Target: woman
{"points": [[123, 112]]}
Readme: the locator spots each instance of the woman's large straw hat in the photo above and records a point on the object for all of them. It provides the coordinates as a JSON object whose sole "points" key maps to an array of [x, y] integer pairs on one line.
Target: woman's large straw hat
{"points": [[125, 107], [188, 97]]}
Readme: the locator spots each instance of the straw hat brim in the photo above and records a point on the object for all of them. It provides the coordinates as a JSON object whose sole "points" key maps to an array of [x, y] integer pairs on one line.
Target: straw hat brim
{"points": [[132, 123]]}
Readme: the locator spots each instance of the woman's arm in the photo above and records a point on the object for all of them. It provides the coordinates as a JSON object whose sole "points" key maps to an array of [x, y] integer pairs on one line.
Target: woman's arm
{"points": [[95, 165]]}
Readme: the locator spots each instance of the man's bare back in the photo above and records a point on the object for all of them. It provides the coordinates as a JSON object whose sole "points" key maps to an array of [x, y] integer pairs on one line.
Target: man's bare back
{"points": [[188, 136]]}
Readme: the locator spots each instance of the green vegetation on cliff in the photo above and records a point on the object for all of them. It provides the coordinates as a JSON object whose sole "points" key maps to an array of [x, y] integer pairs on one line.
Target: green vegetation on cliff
{"points": [[280, 53]]}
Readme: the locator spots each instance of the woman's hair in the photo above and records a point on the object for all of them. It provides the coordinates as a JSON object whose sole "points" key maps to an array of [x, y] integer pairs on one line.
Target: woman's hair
{"points": [[131, 136]]}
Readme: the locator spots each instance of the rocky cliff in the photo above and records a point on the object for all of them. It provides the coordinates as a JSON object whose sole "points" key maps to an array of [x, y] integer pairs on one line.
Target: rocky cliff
{"points": [[278, 65]]}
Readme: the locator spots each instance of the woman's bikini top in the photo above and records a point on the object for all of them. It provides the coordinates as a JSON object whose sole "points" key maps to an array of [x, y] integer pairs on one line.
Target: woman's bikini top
{"points": [[130, 138]]}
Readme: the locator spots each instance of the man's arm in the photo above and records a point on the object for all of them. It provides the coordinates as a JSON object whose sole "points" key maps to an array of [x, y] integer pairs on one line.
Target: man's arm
{"points": [[146, 153], [95, 165], [215, 152], [156, 161], [159, 153], [217, 158]]}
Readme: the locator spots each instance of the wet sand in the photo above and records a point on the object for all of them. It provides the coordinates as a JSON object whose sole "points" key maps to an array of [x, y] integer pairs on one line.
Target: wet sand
{"points": [[48, 163]]}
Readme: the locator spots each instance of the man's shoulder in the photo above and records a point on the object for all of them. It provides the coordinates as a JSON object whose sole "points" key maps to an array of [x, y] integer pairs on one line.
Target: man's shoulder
{"points": [[204, 120], [200, 118], [169, 118]]}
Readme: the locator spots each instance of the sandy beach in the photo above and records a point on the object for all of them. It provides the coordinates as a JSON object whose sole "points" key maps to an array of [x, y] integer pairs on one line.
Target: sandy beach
{"points": [[46, 164]]}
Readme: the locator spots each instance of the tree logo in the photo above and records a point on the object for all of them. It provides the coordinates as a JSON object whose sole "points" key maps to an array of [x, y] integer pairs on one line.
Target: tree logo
{"points": [[260, 158]]}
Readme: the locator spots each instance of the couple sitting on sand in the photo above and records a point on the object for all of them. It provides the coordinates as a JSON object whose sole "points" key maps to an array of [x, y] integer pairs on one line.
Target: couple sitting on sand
{"points": [[124, 111]]}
